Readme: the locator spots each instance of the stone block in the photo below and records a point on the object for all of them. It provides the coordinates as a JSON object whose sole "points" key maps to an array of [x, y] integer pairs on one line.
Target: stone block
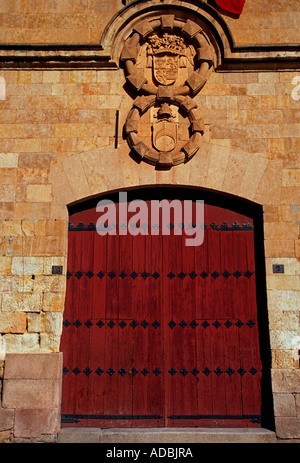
{"points": [[6, 418], [35, 160], [286, 381], [39, 193], [12, 322], [33, 423], [5, 265], [284, 405], [287, 427], [5, 437], [280, 230], [283, 300], [6, 210], [31, 393], [8, 160], [27, 342], [280, 248], [297, 400], [21, 302], [27, 265], [54, 302], [283, 282], [31, 211]]}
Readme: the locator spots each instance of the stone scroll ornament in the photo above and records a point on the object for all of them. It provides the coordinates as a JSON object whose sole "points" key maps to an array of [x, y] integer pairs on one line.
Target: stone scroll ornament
{"points": [[166, 61]]}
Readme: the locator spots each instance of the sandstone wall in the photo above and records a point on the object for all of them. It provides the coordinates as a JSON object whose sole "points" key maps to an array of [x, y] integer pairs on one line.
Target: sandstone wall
{"points": [[57, 146]]}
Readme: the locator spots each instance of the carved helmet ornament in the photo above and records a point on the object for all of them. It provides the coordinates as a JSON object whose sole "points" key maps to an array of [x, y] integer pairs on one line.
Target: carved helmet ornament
{"points": [[167, 61]]}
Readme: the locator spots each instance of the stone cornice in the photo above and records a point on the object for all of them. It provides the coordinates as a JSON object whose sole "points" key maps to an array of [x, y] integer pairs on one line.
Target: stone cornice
{"points": [[105, 54]]}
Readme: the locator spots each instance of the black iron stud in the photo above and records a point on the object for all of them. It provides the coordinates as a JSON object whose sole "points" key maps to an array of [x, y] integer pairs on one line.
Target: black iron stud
{"points": [[226, 274], [253, 371], [171, 275], [250, 323], [155, 275], [217, 324], [172, 324], [134, 324], [228, 323], [194, 324], [144, 324], [239, 323], [237, 274], [215, 274]]}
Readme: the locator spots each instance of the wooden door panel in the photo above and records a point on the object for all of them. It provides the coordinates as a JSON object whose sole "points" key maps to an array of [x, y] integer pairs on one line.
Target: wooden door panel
{"points": [[157, 333]]}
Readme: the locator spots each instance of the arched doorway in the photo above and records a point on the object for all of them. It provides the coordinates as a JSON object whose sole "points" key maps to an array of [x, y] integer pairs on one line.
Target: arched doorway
{"points": [[157, 333]]}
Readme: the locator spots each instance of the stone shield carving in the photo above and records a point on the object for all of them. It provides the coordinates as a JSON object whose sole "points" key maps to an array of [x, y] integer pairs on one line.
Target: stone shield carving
{"points": [[166, 61]]}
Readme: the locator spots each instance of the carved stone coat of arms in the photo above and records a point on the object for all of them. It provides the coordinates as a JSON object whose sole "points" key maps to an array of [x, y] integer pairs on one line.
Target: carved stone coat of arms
{"points": [[167, 62]]}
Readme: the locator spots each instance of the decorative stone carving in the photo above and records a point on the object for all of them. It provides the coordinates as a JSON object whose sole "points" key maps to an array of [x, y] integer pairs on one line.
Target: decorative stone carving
{"points": [[166, 61]]}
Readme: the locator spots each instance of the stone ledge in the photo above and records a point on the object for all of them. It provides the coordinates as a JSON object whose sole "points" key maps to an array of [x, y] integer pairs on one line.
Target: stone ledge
{"points": [[165, 435]]}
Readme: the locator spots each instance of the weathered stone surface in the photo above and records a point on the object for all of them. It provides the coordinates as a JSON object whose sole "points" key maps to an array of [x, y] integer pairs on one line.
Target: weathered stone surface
{"points": [[284, 405], [30, 393], [6, 419], [287, 427], [33, 423], [33, 366], [286, 381], [170, 436]]}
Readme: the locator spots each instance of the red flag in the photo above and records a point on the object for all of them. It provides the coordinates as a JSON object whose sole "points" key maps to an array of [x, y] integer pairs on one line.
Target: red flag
{"points": [[233, 6]]}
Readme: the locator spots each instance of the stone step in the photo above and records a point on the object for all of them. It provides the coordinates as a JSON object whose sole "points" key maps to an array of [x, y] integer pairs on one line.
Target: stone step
{"points": [[166, 436]]}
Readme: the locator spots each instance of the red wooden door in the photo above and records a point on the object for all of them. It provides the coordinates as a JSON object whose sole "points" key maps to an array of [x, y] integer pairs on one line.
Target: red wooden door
{"points": [[160, 334]]}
